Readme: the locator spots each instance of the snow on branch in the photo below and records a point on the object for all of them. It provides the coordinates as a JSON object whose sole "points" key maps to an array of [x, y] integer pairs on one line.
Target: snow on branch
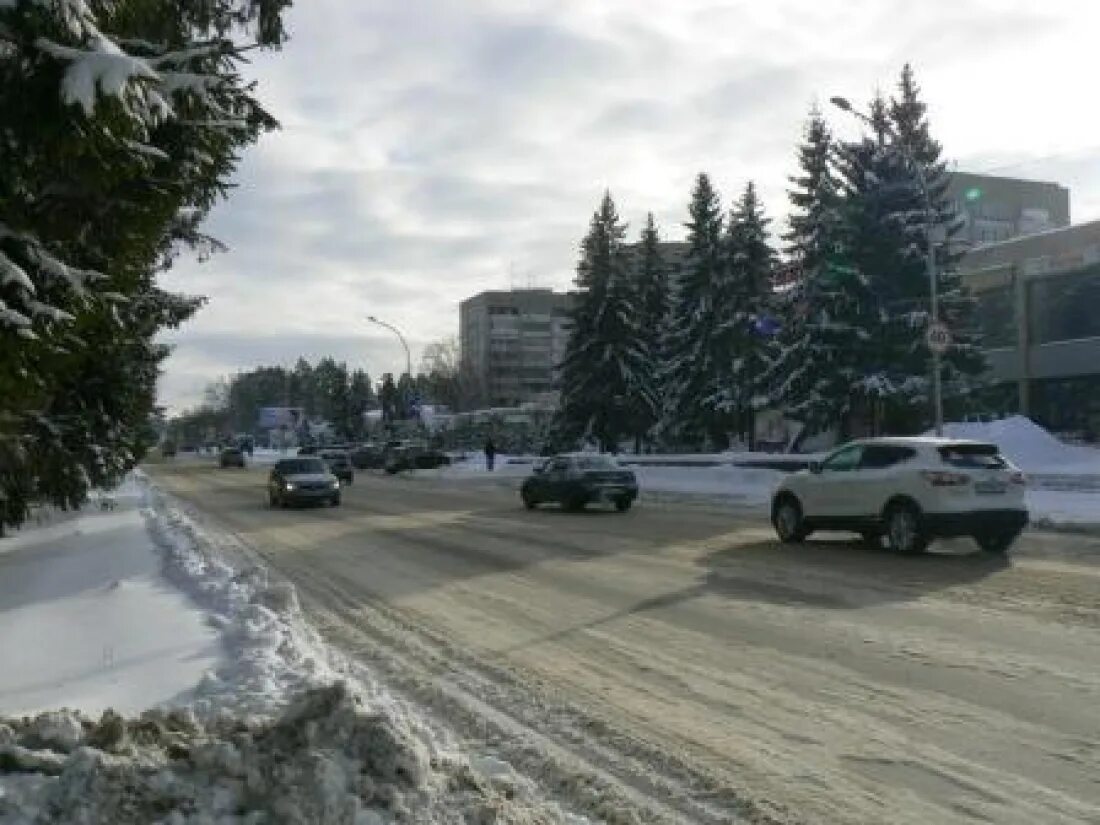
{"points": [[12, 273], [104, 66]]}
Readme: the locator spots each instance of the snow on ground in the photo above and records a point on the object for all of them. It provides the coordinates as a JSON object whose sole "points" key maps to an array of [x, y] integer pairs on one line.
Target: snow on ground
{"points": [[250, 718], [69, 592]]}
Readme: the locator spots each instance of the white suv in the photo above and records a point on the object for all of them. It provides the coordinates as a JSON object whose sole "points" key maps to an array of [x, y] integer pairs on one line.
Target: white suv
{"points": [[908, 490]]}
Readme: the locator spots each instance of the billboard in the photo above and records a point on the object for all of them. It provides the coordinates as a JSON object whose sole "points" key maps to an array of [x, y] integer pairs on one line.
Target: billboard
{"points": [[276, 418]]}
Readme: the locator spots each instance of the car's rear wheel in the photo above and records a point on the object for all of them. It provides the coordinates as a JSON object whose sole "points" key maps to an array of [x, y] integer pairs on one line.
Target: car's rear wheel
{"points": [[528, 501], [904, 532], [997, 542], [790, 526], [623, 504]]}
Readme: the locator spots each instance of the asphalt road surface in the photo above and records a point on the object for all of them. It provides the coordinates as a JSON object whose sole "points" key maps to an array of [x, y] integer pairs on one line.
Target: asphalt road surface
{"points": [[677, 664]]}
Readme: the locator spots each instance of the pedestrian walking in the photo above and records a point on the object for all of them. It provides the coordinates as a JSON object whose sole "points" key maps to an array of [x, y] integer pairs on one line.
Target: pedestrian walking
{"points": [[490, 453]]}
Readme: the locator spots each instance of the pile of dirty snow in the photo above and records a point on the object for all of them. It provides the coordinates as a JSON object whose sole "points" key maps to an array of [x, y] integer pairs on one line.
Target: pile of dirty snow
{"points": [[1029, 446], [327, 758]]}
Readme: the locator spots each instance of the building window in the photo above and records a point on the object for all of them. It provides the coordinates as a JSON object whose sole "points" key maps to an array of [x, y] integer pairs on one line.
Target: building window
{"points": [[1063, 307]]}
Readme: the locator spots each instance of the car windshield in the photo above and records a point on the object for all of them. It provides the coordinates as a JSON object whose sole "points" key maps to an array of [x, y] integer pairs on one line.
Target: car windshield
{"points": [[295, 466], [976, 456]]}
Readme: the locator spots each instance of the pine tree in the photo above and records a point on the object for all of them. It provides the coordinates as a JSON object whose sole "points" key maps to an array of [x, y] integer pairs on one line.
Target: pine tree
{"points": [[827, 313], [122, 122], [653, 298], [607, 387], [743, 342], [964, 361], [692, 371], [884, 219]]}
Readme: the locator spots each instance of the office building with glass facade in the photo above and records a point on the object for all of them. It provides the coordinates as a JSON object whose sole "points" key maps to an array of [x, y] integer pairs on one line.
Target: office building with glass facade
{"points": [[1039, 311]]}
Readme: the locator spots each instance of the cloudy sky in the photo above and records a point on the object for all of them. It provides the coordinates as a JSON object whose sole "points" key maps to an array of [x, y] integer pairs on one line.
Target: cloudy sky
{"points": [[432, 149]]}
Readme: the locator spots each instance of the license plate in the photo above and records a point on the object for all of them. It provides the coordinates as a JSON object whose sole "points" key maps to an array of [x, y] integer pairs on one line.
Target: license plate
{"points": [[990, 487]]}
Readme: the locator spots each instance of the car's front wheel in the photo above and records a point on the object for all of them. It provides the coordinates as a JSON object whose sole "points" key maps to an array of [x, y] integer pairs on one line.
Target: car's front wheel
{"points": [[904, 532], [335, 502], [623, 504], [996, 541], [528, 500], [787, 519]]}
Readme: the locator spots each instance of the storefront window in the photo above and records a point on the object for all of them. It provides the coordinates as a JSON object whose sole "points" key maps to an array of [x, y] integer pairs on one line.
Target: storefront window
{"points": [[1064, 307]]}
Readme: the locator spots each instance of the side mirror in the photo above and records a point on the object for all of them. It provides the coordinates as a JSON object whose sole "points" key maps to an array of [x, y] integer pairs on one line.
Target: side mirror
{"points": [[815, 467]]}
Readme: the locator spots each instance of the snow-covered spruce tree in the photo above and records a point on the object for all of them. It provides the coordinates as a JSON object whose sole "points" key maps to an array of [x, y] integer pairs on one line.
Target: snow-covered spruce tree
{"points": [[827, 313], [651, 280], [744, 346], [964, 362], [120, 124], [883, 227], [694, 363], [606, 375]]}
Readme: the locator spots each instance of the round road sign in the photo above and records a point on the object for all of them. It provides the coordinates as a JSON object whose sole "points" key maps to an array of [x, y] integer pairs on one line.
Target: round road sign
{"points": [[938, 338]]}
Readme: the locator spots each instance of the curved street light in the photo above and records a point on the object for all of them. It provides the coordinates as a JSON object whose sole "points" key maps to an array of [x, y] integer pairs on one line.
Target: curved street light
{"points": [[400, 337], [845, 105]]}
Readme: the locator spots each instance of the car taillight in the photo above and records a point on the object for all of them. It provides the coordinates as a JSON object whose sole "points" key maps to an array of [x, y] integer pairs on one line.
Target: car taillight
{"points": [[943, 478], [1018, 478]]}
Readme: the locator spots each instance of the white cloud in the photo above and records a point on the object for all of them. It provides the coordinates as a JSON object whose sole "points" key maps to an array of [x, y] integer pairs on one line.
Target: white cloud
{"points": [[433, 149]]}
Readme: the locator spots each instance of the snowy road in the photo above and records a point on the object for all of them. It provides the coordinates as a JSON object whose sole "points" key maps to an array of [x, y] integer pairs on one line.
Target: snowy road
{"points": [[678, 665]]}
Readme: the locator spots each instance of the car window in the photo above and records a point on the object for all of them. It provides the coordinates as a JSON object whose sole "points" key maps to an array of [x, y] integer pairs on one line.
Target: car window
{"points": [[301, 465], [846, 458], [881, 456], [974, 456]]}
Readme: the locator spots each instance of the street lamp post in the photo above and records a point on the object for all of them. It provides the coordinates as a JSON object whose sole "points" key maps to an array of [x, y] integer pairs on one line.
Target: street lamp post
{"points": [[929, 254], [400, 337]]}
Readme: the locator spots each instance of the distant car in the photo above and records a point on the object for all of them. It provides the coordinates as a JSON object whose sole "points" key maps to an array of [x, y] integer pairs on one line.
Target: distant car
{"points": [[307, 449], [231, 457], [574, 480], [369, 456], [339, 465], [413, 455], [302, 480], [908, 491]]}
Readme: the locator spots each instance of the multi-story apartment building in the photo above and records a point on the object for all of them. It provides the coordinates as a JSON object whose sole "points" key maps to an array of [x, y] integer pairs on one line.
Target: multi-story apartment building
{"points": [[513, 341]]}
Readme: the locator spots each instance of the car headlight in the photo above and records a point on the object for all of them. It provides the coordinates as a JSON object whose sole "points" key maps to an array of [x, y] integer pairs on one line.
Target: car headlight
{"points": [[336, 484], [288, 485]]}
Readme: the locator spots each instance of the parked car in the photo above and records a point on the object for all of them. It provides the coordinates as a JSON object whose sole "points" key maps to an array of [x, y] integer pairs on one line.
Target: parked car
{"points": [[908, 491], [302, 480], [231, 457], [574, 480], [413, 455], [339, 465], [368, 456]]}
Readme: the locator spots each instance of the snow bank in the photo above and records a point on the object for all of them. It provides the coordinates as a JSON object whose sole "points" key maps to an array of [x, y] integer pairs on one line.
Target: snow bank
{"points": [[1029, 446], [271, 652], [327, 758]]}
